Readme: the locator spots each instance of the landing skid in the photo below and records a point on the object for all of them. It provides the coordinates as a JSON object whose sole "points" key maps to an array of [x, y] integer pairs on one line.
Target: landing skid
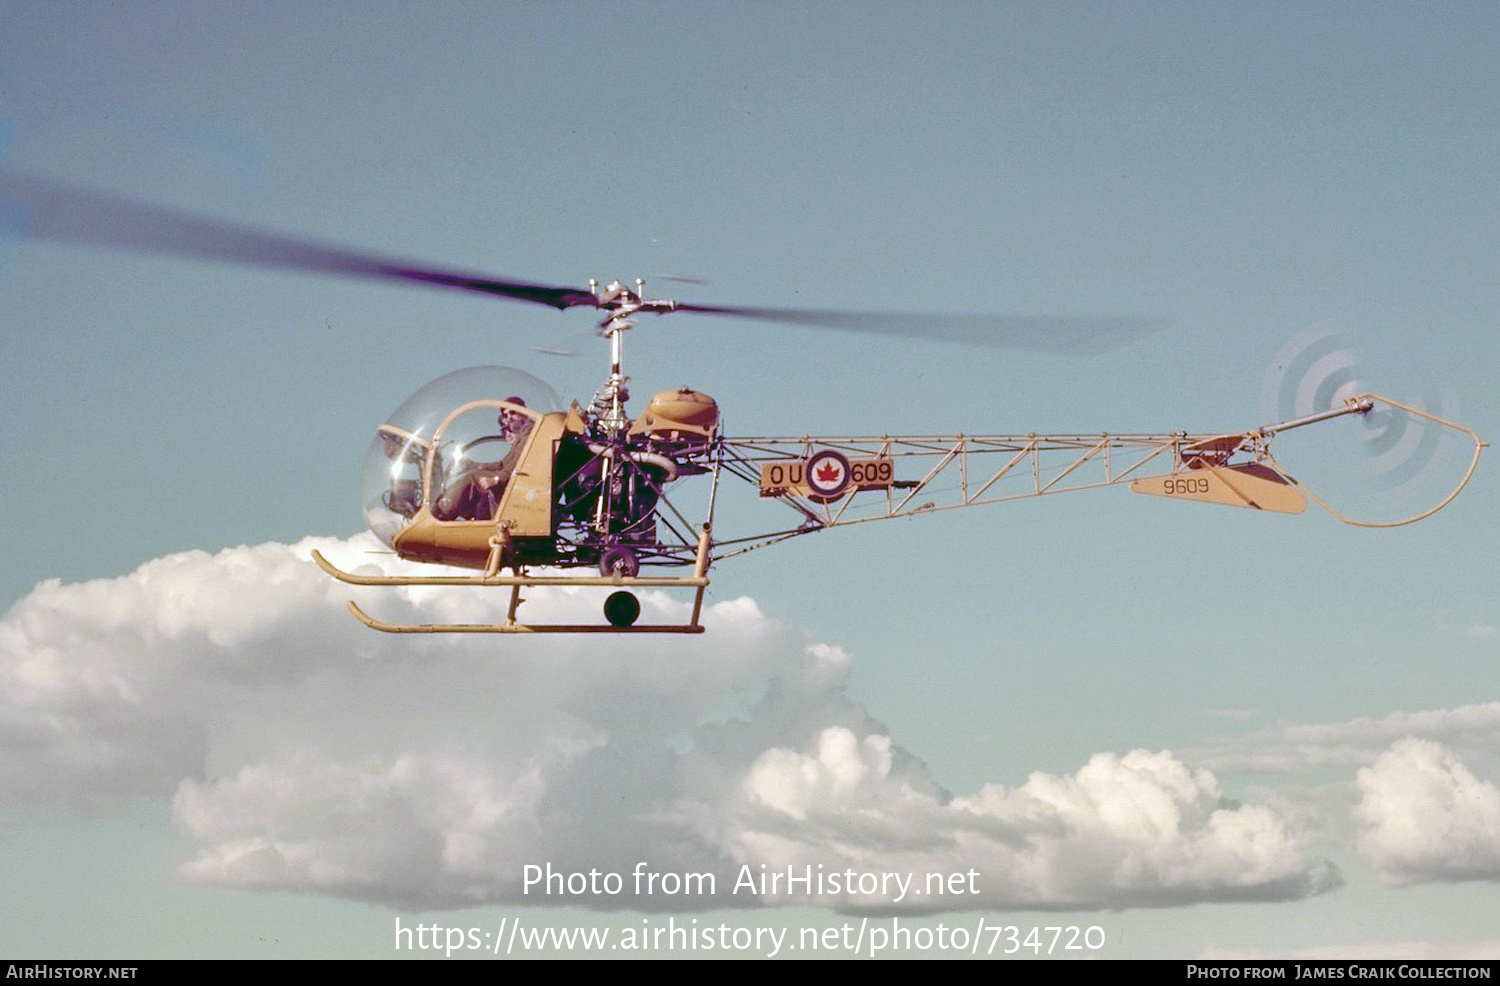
{"points": [[697, 582], [512, 627]]}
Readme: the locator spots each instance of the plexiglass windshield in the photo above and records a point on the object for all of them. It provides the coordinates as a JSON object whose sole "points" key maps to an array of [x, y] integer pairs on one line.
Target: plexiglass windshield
{"points": [[459, 469]]}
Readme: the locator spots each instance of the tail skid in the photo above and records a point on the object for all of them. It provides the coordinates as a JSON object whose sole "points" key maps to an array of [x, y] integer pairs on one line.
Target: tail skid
{"points": [[1362, 405]]}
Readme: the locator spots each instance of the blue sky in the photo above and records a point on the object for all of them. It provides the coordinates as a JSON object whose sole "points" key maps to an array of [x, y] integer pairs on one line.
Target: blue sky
{"points": [[1240, 171]]}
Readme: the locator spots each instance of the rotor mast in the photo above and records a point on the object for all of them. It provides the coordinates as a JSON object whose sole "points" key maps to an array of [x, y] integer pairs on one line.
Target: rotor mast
{"points": [[622, 305]]}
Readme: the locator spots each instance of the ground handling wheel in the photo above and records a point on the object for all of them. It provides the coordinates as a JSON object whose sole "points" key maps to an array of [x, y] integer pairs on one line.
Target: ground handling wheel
{"points": [[622, 609]]}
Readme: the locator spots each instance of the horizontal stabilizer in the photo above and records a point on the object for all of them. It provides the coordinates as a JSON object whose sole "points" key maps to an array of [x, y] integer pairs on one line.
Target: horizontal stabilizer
{"points": [[1250, 485]]}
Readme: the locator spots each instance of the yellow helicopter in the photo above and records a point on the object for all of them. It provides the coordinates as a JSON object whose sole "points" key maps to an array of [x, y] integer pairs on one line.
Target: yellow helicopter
{"points": [[484, 470]]}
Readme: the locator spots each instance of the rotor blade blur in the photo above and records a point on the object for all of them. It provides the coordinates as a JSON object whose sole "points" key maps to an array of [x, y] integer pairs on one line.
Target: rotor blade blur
{"points": [[50, 210], [1041, 333]]}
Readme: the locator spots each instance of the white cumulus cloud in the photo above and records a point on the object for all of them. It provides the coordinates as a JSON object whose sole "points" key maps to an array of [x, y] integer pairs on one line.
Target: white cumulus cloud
{"points": [[1138, 829], [305, 753], [1423, 816]]}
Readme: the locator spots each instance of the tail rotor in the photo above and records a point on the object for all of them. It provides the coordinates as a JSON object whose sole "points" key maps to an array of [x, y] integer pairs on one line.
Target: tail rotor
{"points": [[1412, 450]]}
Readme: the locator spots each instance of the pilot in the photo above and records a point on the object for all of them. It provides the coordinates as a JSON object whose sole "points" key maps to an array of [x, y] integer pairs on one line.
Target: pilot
{"points": [[514, 424], [476, 493]]}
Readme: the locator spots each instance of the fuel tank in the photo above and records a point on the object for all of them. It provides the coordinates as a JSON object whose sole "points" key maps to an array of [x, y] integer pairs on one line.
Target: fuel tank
{"points": [[683, 417]]}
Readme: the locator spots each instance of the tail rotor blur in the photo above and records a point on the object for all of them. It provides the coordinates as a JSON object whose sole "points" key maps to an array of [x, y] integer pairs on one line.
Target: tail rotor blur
{"points": [[1410, 450]]}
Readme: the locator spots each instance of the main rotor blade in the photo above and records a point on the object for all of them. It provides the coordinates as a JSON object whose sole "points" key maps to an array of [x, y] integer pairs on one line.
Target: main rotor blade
{"points": [[1040, 333], [51, 210]]}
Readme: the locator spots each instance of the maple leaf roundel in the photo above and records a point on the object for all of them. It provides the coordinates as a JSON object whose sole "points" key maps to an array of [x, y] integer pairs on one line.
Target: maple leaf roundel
{"points": [[827, 474]]}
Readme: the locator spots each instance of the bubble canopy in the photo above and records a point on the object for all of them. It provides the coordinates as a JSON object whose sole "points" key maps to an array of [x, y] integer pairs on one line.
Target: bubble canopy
{"points": [[398, 479]]}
